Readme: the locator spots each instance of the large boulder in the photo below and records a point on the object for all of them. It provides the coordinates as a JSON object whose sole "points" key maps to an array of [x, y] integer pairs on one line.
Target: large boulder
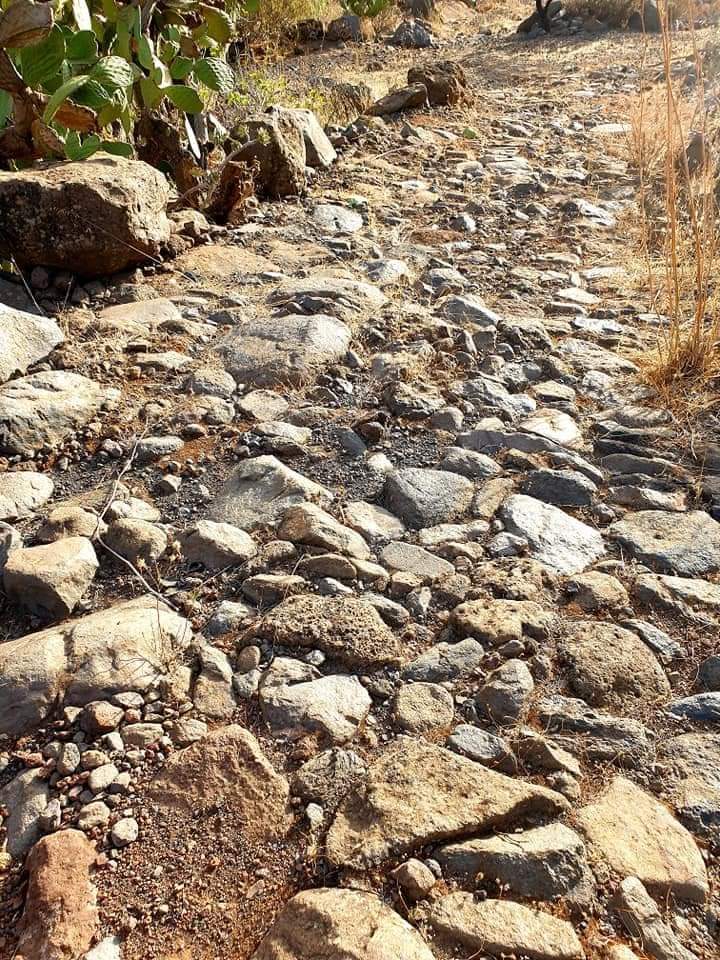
{"points": [[630, 833], [133, 646], [91, 217]]}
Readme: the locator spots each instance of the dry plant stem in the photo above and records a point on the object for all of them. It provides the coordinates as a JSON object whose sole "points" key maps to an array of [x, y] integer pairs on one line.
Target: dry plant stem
{"points": [[686, 368]]}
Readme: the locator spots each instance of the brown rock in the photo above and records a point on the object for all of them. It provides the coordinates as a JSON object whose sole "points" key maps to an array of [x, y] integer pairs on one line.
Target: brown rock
{"points": [[502, 927], [445, 81], [227, 764], [60, 915], [348, 629], [336, 924], [611, 667], [418, 793], [500, 621], [91, 217], [631, 834]]}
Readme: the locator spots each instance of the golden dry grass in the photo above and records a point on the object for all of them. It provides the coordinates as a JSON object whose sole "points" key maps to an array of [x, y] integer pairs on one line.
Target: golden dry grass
{"points": [[680, 233]]}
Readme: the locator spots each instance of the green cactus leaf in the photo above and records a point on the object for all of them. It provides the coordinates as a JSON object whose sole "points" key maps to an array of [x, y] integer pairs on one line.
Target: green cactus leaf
{"points": [[184, 98], [215, 74], [81, 47], [62, 93], [113, 73], [43, 62]]}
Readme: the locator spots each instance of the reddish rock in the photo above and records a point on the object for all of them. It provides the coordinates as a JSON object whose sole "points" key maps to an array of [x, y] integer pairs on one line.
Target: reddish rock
{"points": [[60, 915]]}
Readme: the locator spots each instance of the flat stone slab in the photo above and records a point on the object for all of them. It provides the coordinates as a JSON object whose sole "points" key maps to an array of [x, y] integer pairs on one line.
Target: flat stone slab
{"points": [[273, 351], [332, 218], [25, 339], [687, 544], [631, 834], [226, 766], [353, 295], [46, 408], [418, 793], [502, 927], [556, 539], [584, 356]]}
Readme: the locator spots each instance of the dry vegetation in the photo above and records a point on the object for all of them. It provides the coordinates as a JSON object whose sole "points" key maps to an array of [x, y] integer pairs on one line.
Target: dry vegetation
{"points": [[672, 146]]}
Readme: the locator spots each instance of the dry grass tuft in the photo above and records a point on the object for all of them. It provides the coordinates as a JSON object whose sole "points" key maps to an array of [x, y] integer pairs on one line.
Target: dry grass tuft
{"points": [[672, 149], [616, 13]]}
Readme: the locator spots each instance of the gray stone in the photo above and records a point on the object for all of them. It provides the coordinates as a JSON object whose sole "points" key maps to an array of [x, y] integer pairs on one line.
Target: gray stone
{"points": [[557, 540], [279, 350], [412, 34], [49, 580], [594, 734], [46, 408], [228, 616], [25, 799], [700, 707], [409, 558], [685, 544], [260, 490], [544, 863], [560, 487], [422, 497], [372, 521], [25, 339], [296, 703], [332, 218], [22, 492], [482, 747], [504, 695], [474, 466], [659, 642], [217, 545], [446, 661]]}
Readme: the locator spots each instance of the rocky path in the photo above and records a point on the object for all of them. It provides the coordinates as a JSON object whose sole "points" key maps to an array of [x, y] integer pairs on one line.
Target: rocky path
{"points": [[359, 601]]}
